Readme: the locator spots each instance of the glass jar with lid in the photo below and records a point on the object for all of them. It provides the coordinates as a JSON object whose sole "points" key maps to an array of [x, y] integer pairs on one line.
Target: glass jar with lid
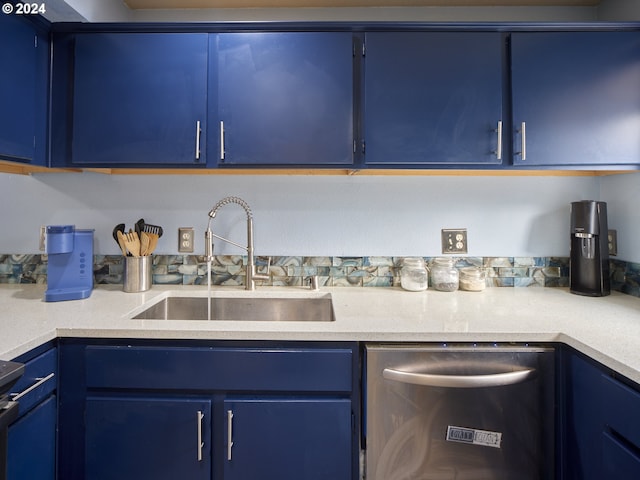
{"points": [[472, 279], [444, 275], [414, 275]]}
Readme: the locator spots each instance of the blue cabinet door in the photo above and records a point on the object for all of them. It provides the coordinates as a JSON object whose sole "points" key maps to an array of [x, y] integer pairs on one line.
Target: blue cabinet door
{"points": [[32, 444], [291, 439], [620, 460], [583, 421], [602, 423], [433, 98], [285, 98], [578, 96], [139, 99], [147, 438], [23, 91]]}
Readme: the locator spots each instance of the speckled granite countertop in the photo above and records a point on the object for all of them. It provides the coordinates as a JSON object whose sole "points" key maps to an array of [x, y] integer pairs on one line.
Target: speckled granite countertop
{"points": [[607, 329]]}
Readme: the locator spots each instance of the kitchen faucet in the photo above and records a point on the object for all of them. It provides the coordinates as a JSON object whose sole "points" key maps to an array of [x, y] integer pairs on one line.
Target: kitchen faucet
{"points": [[251, 275]]}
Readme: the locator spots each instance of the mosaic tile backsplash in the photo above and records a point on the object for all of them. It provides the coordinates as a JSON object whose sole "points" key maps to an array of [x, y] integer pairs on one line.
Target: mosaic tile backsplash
{"points": [[331, 271]]}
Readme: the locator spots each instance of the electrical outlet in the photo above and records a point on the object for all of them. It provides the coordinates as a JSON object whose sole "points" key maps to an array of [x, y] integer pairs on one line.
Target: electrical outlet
{"points": [[454, 240], [613, 242], [43, 238], [185, 239]]}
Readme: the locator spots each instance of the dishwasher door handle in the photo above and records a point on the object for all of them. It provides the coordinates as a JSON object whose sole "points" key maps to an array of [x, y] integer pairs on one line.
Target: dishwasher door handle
{"points": [[459, 381]]}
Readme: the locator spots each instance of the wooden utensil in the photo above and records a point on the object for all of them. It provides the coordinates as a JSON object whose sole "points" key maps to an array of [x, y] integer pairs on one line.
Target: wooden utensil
{"points": [[122, 241], [154, 232], [145, 243], [132, 241], [153, 241]]}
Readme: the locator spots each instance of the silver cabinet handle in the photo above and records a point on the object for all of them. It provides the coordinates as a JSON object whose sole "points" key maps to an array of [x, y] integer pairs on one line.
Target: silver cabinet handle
{"points": [[199, 418], [198, 132], [523, 136], [499, 146], [229, 433], [221, 140], [39, 381], [458, 381]]}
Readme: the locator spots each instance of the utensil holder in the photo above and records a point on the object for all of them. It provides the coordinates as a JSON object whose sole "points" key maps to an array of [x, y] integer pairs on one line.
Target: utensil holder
{"points": [[137, 275]]}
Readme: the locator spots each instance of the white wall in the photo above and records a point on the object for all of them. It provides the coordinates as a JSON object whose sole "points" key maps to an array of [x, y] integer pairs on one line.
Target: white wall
{"points": [[622, 194], [304, 215], [332, 215]]}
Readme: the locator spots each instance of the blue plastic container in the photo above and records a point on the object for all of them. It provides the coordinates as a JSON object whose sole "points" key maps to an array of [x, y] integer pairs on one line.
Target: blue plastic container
{"points": [[70, 263]]}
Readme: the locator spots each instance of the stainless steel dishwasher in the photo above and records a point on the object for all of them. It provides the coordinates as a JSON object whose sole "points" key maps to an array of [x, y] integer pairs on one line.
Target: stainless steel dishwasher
{"points": [[459, 412]]}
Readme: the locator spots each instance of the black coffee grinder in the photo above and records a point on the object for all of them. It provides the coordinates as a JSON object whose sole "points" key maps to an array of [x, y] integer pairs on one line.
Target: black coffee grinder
{"points": [[589, 258]]}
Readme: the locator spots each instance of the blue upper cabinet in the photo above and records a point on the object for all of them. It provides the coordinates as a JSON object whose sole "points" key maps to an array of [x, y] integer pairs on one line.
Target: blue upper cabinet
{"points": [[24, 54], [139, 99], [284, 98], [578, 96], [433, 98], [391, 98]]}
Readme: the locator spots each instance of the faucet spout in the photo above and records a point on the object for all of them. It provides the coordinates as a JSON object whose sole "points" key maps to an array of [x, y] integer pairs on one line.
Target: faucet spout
{"points": [[251, 274]]}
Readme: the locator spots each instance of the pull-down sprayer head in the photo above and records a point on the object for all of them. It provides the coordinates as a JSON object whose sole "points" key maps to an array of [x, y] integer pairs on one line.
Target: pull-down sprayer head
{"points": [[227, 201]]}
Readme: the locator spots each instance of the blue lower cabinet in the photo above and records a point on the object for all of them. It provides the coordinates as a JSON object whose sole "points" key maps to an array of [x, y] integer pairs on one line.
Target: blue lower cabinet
{"points": [[199, 410], [32, 444], [583, 421], [619, 459], [602, 423], [287, 439], [147, 438]]}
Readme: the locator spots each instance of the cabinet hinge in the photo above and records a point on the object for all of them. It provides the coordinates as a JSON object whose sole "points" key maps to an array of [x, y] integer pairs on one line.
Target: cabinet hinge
{"points": [[364, 49]]}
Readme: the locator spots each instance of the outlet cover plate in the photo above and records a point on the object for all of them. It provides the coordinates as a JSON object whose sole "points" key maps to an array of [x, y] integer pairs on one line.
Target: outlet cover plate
{"points": [[454, 240], [613, 242], [186, 238]]}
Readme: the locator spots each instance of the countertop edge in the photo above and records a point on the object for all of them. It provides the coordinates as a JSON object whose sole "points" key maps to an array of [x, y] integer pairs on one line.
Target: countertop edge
{"points": [[607, 329]]}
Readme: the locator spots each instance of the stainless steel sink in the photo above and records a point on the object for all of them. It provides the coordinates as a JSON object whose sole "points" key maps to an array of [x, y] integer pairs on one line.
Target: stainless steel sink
{"points": [[266, 309]]}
